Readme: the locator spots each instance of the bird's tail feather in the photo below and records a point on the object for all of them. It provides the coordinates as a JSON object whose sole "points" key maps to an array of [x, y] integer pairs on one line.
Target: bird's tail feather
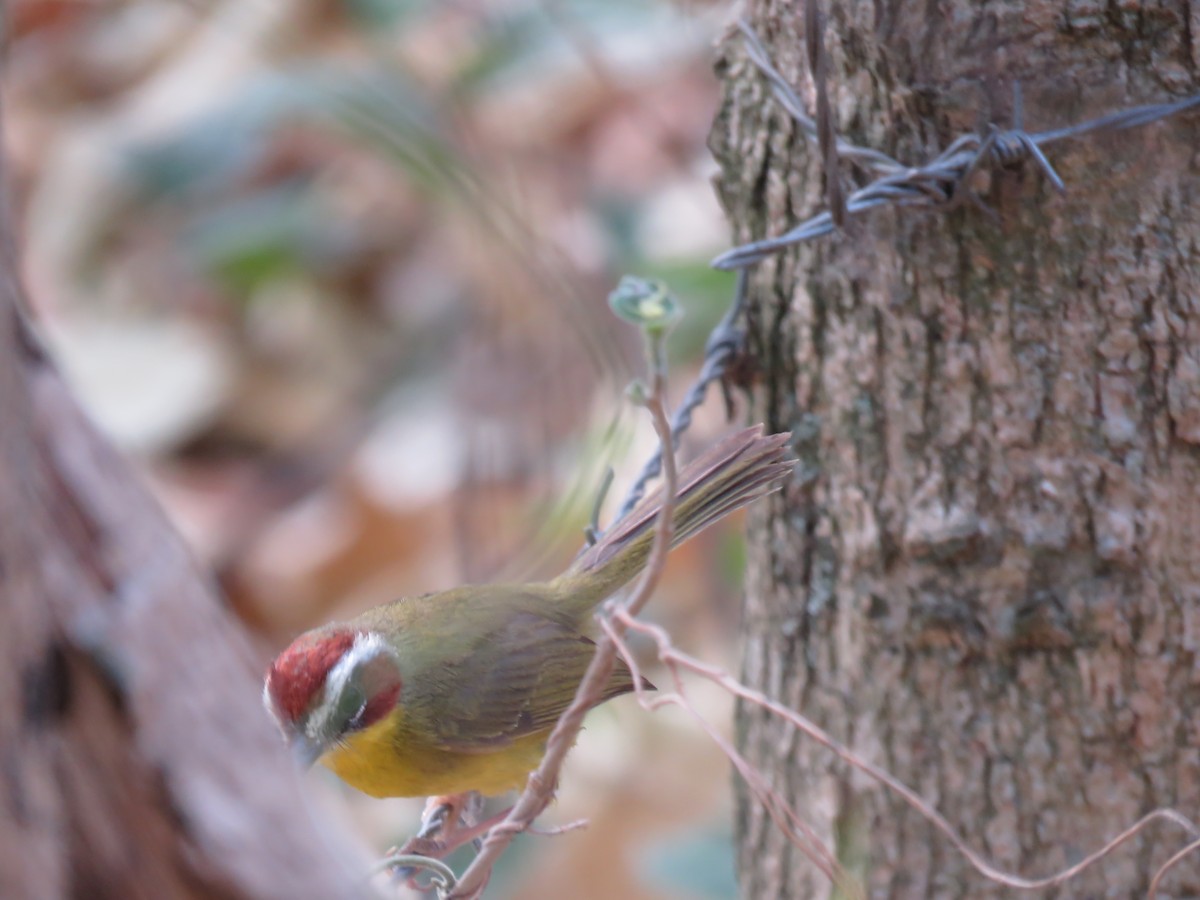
{"points": [[736, 471]]}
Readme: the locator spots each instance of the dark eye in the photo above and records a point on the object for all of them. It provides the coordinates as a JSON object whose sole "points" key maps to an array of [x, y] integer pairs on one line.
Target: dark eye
{"points": [[351, 707], [357, 721]]}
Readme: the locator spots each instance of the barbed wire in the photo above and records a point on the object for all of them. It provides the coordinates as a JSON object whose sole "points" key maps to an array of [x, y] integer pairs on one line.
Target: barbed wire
{"points": [[940, 183]]}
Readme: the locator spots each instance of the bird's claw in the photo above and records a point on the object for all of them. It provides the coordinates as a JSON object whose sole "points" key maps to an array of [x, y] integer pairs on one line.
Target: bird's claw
{"points": [[434, 839], [419, 845], [436, 819], [442, 814]]}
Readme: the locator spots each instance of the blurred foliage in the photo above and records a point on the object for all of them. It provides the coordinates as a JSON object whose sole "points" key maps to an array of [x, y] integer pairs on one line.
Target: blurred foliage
{"points": [[697, 863]]}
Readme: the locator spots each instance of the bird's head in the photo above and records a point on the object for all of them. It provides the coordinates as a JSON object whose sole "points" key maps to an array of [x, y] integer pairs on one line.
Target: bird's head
{"points": [[328, 684]]}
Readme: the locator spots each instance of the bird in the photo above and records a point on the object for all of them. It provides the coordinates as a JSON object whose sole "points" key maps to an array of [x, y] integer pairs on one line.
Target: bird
{"points": [[456, 691]]}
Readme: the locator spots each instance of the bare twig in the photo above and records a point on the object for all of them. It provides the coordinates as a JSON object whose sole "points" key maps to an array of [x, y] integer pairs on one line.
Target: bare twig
{"points": [[675, 660], [723, 344], [543, 782], [796, 830], [1191, 848]]}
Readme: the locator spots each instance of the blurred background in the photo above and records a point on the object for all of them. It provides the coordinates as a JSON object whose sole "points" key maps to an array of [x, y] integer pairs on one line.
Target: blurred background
{"points": [[333, 275]]}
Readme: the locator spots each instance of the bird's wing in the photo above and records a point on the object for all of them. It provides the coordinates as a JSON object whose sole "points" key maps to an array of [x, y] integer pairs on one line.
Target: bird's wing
{"points": [[517, 680]]}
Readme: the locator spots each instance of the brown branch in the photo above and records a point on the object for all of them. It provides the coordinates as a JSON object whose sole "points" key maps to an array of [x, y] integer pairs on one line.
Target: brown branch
{"points": [[131, 730]]}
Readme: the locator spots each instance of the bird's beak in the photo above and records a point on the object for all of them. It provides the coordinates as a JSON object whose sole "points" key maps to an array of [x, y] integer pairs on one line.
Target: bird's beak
{"points": [[305, 750]]}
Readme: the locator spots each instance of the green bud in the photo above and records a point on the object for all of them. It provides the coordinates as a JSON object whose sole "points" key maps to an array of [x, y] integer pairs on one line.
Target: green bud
{"points": [[645, 303]]}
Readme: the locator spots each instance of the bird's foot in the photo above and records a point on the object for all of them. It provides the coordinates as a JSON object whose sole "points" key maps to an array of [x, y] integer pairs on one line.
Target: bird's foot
{"points": [[447, 838], [443, 812], [444, 828]]}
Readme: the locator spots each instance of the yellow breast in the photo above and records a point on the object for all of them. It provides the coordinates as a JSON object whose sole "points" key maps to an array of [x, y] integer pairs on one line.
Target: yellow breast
{"points": [[385, 761]]}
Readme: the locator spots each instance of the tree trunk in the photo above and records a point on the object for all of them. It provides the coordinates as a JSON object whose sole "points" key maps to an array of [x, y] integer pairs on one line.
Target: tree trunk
{"points": [[985, 576], [136, 760]]}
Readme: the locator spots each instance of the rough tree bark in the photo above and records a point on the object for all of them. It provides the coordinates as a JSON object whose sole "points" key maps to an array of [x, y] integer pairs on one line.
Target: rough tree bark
{"points": [[986, 575], [135, 758]]}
